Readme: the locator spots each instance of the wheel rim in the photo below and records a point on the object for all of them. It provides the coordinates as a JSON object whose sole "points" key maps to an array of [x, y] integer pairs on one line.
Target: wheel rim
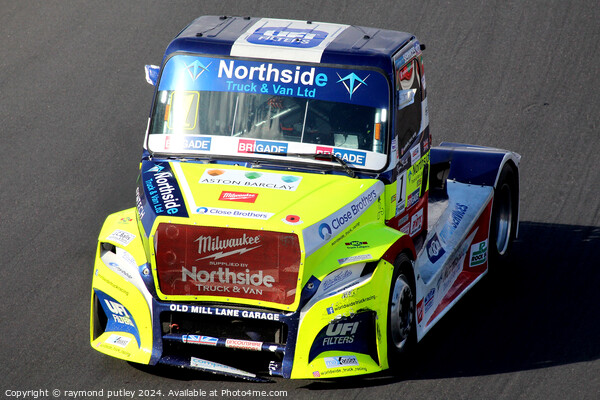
{"points": [[401, 312], [503, 219]]}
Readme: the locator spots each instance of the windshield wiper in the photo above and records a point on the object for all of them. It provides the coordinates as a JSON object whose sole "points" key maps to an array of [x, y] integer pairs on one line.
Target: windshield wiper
{"points": [[321, 156]]}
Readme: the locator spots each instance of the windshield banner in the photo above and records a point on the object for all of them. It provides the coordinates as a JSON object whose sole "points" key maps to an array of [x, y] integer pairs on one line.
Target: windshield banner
{"points": [[362, 87]]}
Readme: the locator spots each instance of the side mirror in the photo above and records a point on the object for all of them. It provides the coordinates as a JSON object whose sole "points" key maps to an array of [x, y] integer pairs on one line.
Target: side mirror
{"points": [[152, 74]]}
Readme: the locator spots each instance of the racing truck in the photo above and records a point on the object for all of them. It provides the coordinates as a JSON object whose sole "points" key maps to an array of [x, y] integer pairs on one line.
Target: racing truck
{"points": [[292, 217]]}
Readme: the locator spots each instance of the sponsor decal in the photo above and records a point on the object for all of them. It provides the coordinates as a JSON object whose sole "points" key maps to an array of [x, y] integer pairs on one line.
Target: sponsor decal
{"points": [[250, 179], [119, 319], [238, 196], [287, 37], [356, 244], [200, 260], [405, 228], [213, 366], [413, 198], [325, 231], [316, 374], [429, 299], [261, 146], [187, 142], [434, 249], [140, 201], [420, 311], [125, 220], [355, 86], [349, 156], [118, 340], [243, 344], [316, 235], [349, 303], [198, 339], [225, 312], [351, 259], [335, 279], [162, 191], [340, 361], [121, 237], [416, 222], [214, 244], [454, 267], [457, 214], [354, 334], [292, 220], [415, 154], [227, 212], [479, 253]]}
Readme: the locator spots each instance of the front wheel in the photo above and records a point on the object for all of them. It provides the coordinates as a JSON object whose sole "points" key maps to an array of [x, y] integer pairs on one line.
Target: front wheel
{"points": [[402, 332]]}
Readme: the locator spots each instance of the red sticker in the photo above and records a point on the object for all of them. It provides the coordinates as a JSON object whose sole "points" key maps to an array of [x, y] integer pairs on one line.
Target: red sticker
{"points": [[238, 196]]}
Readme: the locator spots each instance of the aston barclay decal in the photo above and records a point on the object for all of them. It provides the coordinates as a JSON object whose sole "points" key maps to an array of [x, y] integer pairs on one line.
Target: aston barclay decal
{"points": [[250, 179]]}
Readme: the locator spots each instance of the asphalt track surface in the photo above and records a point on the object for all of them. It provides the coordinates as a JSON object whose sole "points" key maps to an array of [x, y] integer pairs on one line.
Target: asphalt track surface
{"points": [[525, 77]]}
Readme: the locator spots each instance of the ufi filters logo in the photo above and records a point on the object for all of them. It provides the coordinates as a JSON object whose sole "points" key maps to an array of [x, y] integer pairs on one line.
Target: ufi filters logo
{"points": [[211, 244], [288, 37]]}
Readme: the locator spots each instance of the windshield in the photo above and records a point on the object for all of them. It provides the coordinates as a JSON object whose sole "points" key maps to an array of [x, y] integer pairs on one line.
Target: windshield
{"points": [[235, 107]]}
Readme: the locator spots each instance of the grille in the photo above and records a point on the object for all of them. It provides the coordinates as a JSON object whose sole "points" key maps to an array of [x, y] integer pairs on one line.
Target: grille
{"points": [[228, 262]]}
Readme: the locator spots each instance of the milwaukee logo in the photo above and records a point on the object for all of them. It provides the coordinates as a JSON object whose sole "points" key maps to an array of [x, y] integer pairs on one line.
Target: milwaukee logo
{"points": [[238, 196], [210, 244]]}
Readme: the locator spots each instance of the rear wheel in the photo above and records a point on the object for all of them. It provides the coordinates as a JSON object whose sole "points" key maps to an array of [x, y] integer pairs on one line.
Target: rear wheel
{"points": [[402, 332], [504, 220]]}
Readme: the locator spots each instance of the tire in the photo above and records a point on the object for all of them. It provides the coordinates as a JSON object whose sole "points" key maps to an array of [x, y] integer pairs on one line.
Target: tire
{"points": [[503, 224], [401, 324]]}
